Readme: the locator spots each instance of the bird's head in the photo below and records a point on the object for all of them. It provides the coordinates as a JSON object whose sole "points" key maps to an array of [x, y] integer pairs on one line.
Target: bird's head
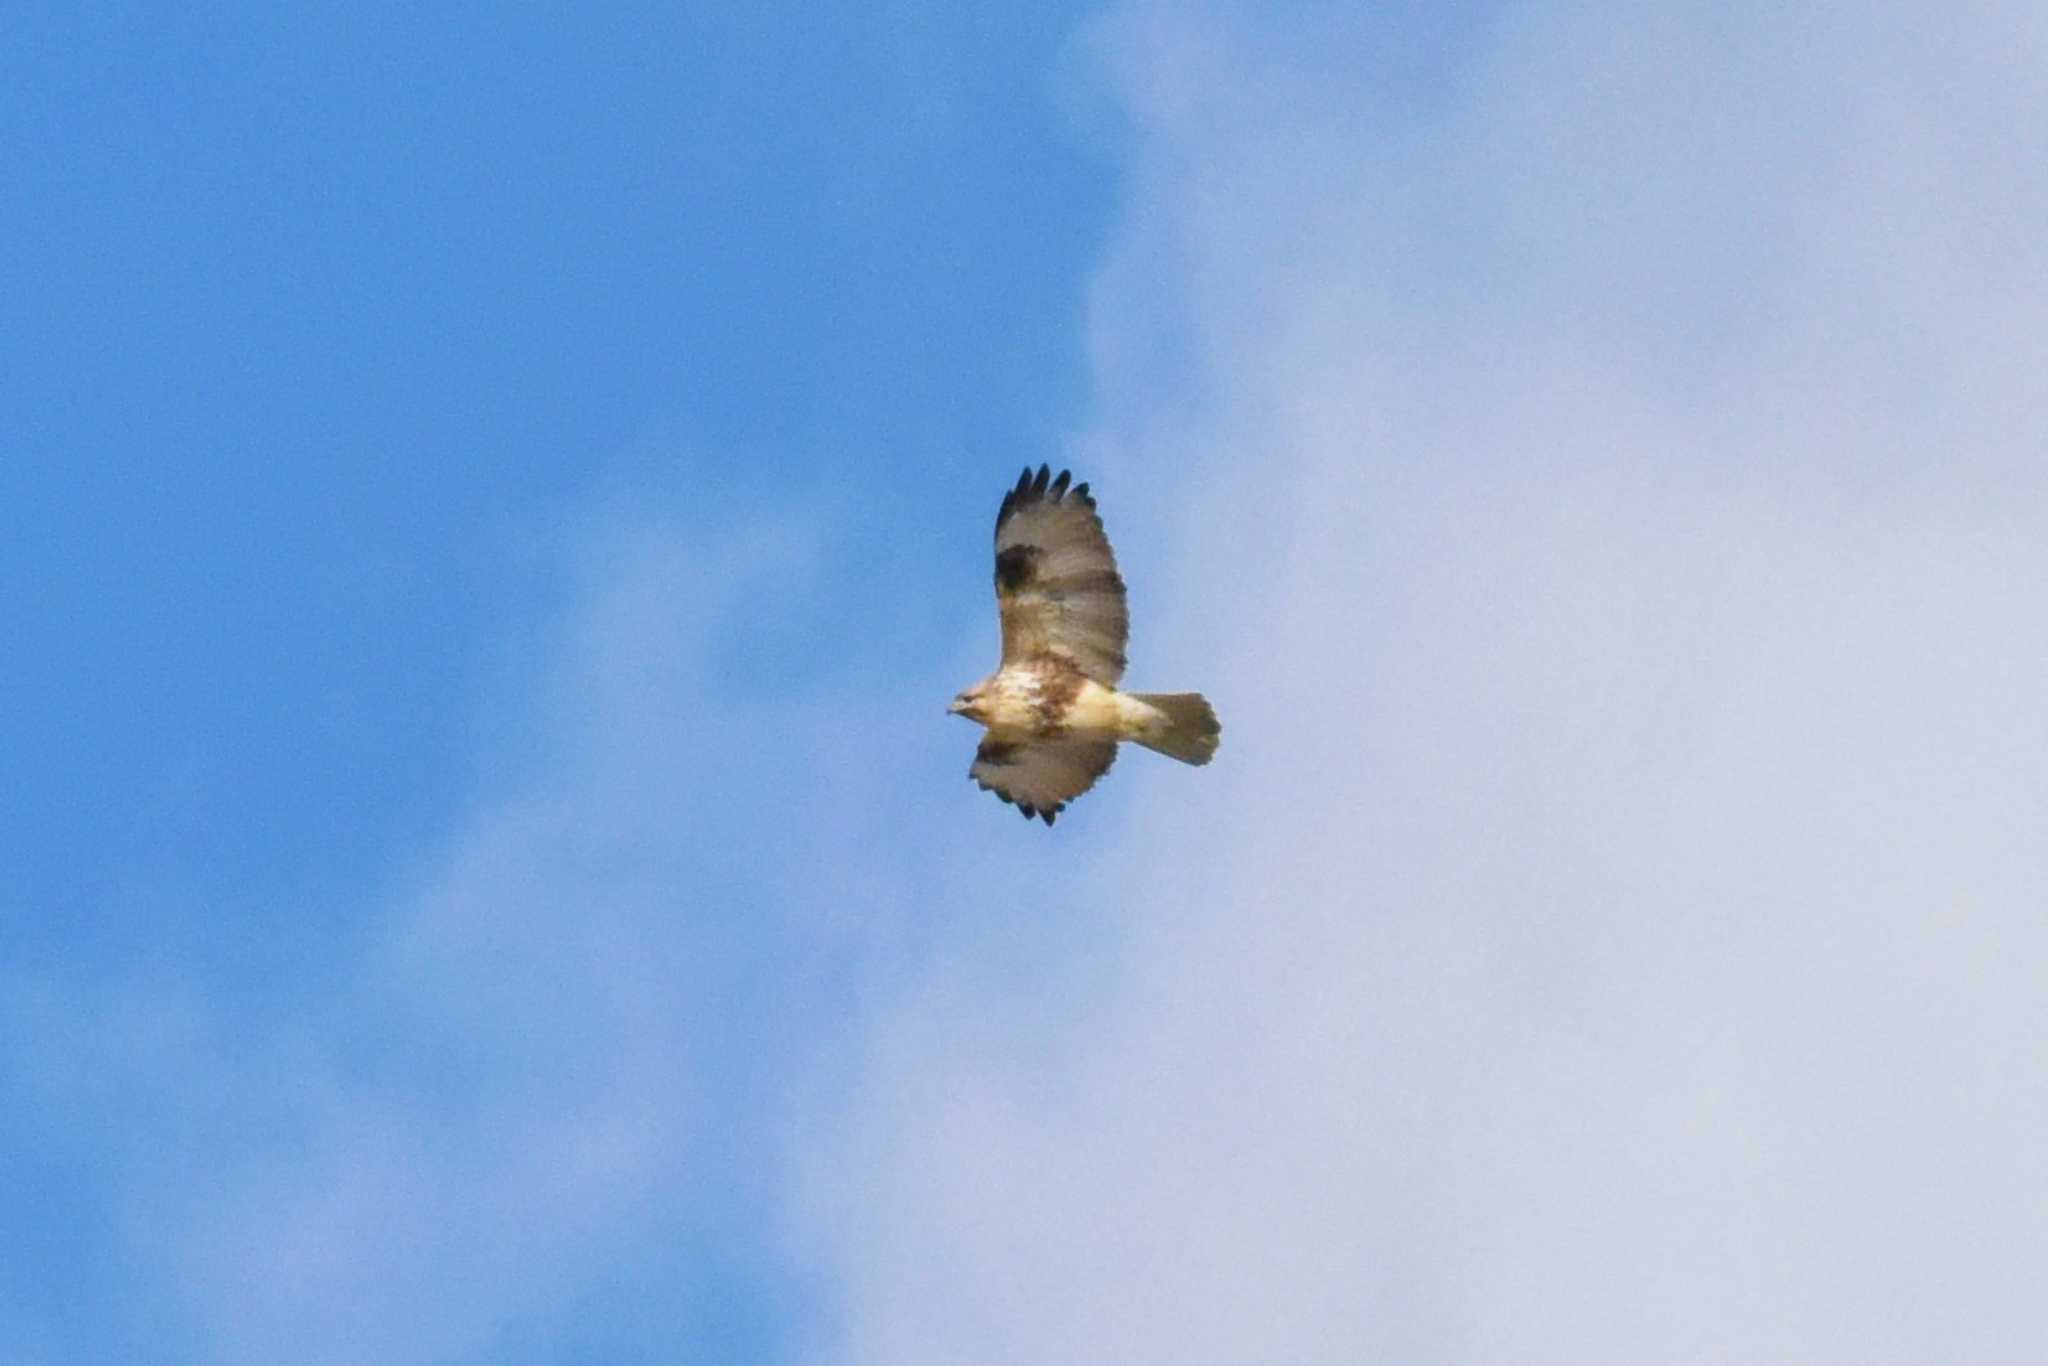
{"points": [[971, 703]]}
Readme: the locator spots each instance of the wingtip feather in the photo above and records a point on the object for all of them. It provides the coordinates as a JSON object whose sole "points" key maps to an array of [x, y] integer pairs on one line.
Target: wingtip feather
{"points": [[1040, 485]]}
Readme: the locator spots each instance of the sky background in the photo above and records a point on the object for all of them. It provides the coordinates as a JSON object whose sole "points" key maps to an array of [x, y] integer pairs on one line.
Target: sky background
{"points": [[494, 499]]}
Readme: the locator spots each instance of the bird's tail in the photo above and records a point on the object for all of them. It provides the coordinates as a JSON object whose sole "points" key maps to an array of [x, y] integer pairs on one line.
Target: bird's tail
{"points": [[1186, 730]]}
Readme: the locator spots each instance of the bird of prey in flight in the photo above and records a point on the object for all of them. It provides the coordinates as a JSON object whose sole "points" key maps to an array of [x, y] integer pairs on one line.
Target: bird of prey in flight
{"points": [[1052, 710]]}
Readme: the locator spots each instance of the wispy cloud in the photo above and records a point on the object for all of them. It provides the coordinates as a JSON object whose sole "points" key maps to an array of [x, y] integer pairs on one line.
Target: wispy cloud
{"points": [[552, 1058], [1607, 509], [1601, 490]]}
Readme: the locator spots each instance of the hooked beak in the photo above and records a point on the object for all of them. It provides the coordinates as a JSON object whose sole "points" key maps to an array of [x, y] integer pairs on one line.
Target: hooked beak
{"points": [[959, 706]]}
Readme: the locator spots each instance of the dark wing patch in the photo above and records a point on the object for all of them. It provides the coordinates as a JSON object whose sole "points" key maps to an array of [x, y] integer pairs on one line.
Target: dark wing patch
{"points": [[1040, 777], [1014, 567], [1057, 587]]}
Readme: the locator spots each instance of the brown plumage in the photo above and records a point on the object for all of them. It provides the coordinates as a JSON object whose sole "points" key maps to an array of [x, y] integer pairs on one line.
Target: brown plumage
{"points": [[1052, 709]]}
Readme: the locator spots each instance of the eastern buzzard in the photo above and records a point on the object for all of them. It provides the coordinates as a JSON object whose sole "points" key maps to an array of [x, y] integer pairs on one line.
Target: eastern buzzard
{"points": [[1052, 709]]}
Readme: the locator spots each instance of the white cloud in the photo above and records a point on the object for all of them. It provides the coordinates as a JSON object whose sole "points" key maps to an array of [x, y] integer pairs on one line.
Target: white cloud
{"points": [[1606, 505], [1608, 512]]}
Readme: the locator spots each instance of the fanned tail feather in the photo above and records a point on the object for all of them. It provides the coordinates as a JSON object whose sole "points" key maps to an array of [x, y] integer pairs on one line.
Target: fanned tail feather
{"points": [[1191, 733]]}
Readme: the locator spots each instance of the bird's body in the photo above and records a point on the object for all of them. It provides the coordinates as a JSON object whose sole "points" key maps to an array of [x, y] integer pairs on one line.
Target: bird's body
{"points": [[1046, 698], [1053, 713]]}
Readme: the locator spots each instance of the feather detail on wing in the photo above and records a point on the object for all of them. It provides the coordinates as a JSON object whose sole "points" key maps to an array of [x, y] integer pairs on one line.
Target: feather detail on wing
{"points": [[1057, 588], [1041, 776]]}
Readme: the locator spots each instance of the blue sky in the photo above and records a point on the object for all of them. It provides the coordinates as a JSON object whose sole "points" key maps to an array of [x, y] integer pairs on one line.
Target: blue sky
{"points": [[494, 499], [337, 329], [336, 319]]}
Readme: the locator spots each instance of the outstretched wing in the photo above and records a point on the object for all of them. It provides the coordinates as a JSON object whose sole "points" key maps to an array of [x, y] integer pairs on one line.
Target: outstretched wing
{"points": [[1057, 588], [1041, 776]]}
